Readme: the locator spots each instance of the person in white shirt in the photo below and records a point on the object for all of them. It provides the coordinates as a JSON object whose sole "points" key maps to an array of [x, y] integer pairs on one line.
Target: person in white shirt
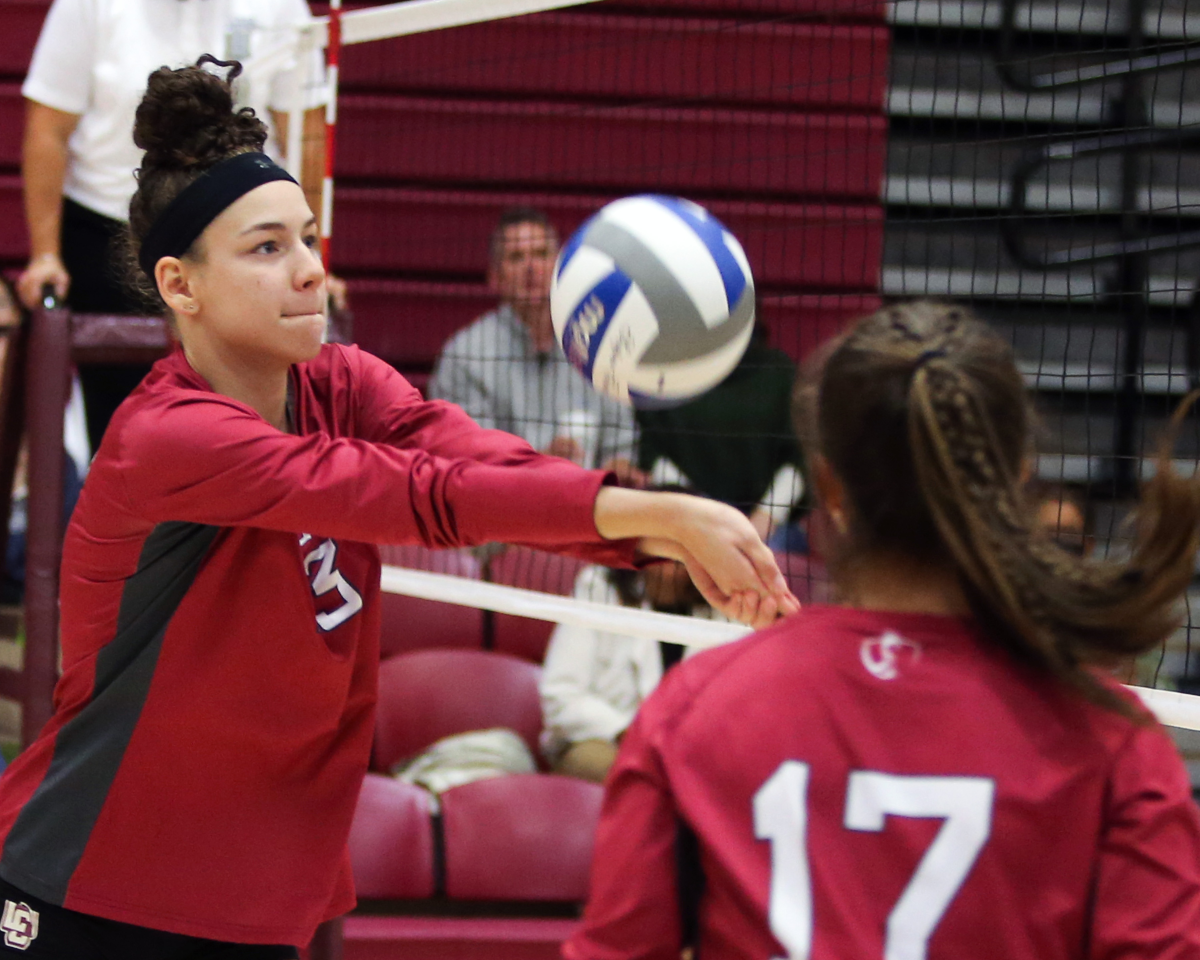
{"points": [[593, 681], [87, 77]]}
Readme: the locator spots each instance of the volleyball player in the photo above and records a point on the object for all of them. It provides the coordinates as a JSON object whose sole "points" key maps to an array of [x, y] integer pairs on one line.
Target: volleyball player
{"points": [[192, 795], [937, 766]]}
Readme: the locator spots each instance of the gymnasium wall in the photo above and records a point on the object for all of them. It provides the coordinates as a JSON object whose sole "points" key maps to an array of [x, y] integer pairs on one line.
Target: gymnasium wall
{"points": [[768, 111]]}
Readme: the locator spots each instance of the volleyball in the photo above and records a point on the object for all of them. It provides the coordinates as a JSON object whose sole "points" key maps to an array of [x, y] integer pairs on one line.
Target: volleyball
{"points": [[653, 301]]}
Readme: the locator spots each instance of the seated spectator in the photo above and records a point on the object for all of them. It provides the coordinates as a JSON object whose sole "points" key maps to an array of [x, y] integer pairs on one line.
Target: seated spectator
{"points": [[509, 373], [735, 442], [1063, 510], [593, 682]]}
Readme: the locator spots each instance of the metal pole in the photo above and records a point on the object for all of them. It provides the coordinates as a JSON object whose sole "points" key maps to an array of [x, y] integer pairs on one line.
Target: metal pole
{"points": [[333, 53], [47, 392], [1131, 291]]}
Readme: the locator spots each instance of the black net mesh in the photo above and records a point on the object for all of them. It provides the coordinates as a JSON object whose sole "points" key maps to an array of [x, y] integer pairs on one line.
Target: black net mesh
{"points": [[1042, 167]]}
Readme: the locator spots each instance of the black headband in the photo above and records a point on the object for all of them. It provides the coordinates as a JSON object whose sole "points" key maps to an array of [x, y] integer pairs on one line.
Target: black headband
{"points": [[201, 201]]}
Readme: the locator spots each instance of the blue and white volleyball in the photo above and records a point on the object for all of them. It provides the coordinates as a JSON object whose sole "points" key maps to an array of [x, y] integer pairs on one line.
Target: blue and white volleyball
{"points": [[653, 301]]}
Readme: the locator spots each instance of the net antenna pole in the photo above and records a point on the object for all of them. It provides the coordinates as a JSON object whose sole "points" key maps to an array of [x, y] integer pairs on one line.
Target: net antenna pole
{"points": [[333, 49]]}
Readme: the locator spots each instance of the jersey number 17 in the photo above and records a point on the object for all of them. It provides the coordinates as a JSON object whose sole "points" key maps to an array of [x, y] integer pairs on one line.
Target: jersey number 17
{"points": [[781, 817]]}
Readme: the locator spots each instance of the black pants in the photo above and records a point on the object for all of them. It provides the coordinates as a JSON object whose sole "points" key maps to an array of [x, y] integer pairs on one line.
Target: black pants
{"points": [[63, 934], [92, 254]]}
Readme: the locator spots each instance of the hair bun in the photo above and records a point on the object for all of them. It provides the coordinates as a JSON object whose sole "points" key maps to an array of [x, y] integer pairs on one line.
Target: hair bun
{"points": [[187, 119]]}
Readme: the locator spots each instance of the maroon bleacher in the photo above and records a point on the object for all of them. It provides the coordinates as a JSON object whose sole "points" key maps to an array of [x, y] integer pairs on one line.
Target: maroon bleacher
{"points": [[22, 20], [521, 837], [446, 233], [628, 148], [776, 125], [834, 11], [844, 11], [529, 569], [586, 55], [407, 320], [425, 695], [391, 840], [770, 112], [12, 123], [13, 240]]}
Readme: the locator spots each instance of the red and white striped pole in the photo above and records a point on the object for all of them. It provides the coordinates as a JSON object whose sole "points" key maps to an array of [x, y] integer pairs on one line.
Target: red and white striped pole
{"points": [[333, 52]]}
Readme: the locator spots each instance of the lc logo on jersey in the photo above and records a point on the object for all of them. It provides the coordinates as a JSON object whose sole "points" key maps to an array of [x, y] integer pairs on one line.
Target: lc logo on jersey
{"points": [[20, 925], [320, 567], [884, 656]]}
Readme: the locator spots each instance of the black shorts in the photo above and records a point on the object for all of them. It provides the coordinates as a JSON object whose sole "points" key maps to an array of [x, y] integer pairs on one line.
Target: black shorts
{"points": [[32, 928]]}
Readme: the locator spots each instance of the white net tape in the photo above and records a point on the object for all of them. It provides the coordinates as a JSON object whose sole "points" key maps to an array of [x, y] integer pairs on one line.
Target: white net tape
{"points": [[421, 16], [1172, 709]]}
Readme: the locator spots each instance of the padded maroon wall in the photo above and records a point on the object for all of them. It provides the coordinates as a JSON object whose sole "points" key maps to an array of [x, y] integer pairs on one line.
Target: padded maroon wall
{"points": [[768, 111]]}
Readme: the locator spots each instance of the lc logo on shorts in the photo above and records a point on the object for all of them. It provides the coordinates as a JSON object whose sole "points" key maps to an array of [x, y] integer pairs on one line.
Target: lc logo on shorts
{"points": [[20, 925]]}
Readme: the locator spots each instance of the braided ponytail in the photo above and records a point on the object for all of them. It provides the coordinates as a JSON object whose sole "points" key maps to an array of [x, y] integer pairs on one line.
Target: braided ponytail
{"points": [[924, 395]]}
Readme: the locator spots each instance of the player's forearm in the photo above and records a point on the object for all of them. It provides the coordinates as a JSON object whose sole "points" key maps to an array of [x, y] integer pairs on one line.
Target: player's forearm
{"points": [[43, 170], [621, 513]]}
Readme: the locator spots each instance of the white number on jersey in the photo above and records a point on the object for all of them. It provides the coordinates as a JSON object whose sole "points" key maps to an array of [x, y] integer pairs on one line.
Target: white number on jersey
{"points": [[781, 817], [328, 578]]}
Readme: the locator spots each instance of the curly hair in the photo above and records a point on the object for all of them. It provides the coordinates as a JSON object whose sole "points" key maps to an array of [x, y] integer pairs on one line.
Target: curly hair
{"points": [[187, 124]]}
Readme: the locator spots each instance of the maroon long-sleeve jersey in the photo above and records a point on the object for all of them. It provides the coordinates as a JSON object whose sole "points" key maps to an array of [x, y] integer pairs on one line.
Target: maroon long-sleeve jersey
{"points": [[881, 786], [220, 623]]}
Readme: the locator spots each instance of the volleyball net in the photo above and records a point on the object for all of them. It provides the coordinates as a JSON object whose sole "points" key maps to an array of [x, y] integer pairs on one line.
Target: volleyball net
{"points": [[1172, 708], [1033, 158]]}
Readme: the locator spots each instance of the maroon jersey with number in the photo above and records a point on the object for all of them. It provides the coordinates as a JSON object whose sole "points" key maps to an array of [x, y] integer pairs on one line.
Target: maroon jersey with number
{"points": [[220, 623], [851, 784]]}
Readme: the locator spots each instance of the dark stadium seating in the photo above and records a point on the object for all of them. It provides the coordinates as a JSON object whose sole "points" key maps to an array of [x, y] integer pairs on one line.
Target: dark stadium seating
{"points": [[446, 232], [616, 148], [391, 840], [578, 55], [429, 694], [524, 837]]}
